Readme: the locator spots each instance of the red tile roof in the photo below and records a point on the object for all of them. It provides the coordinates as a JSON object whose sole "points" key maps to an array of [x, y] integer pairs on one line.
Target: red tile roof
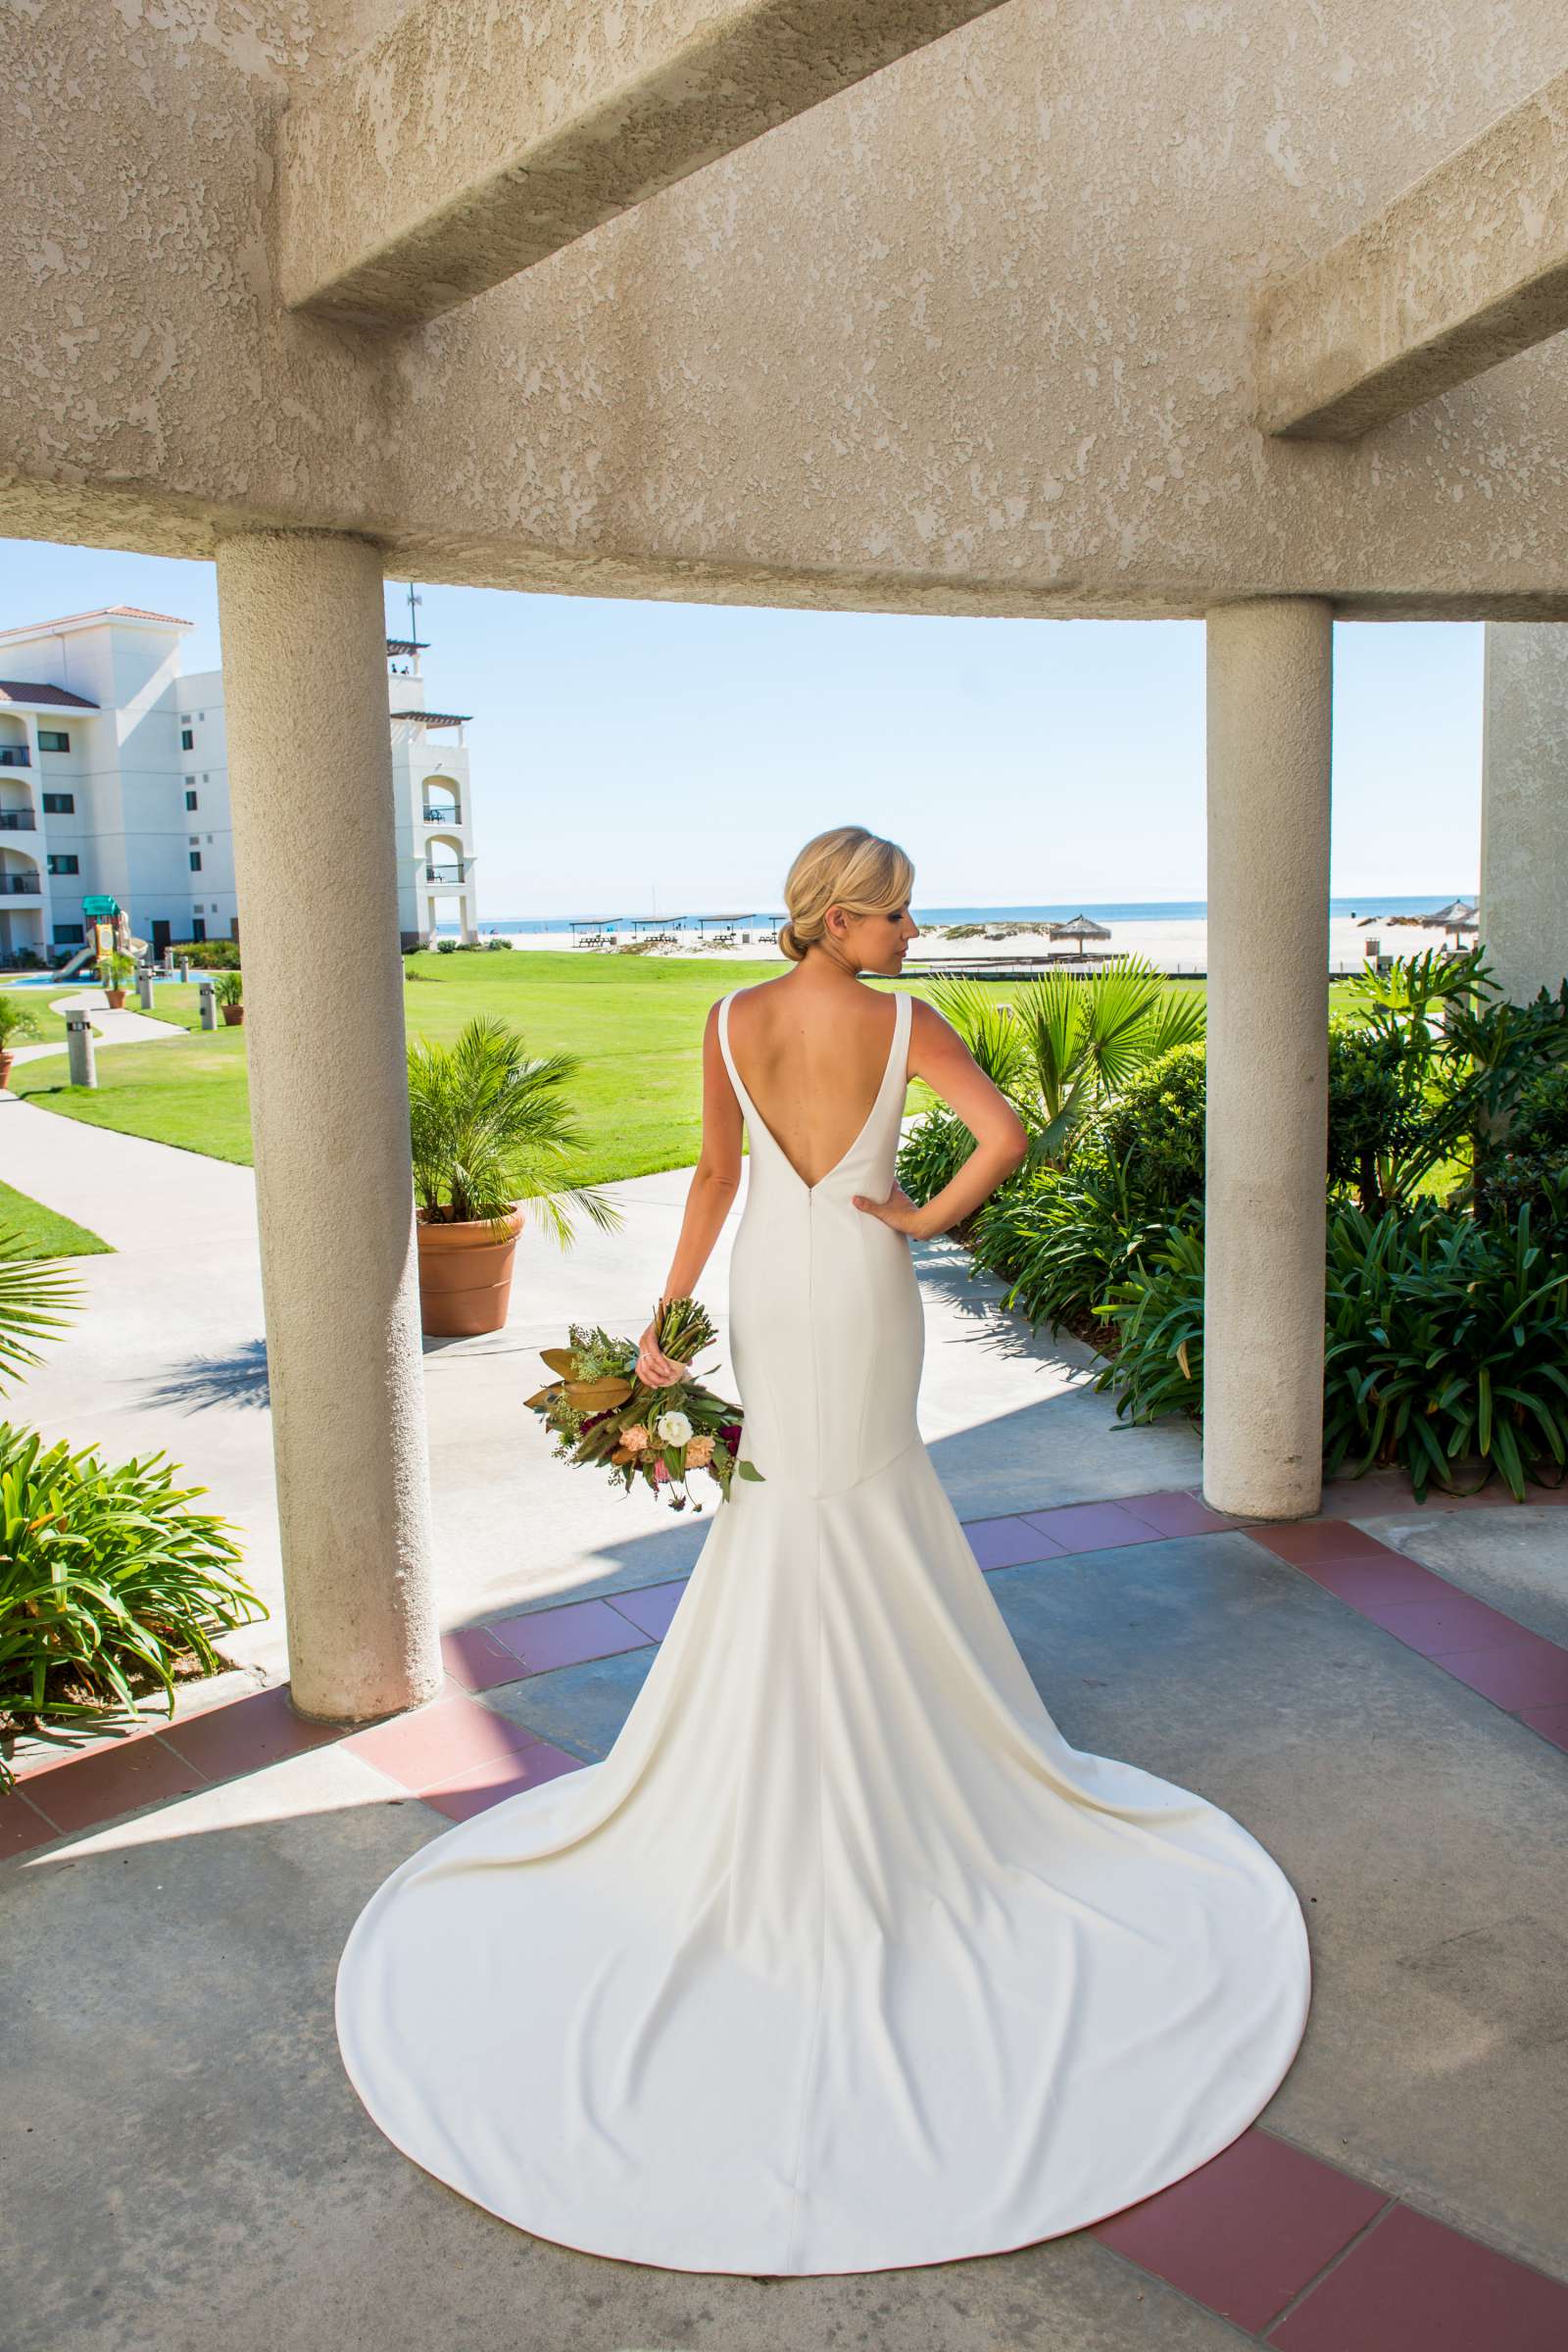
{"points": [[22, 690], [99, 612]]}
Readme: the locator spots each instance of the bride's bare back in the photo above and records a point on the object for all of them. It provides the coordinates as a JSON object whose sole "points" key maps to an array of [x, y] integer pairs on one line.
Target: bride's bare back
{"points": [[813, 1065]]}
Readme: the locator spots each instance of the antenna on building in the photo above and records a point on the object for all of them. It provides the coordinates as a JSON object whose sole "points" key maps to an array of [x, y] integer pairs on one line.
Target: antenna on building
{"points": [[415, 602]]}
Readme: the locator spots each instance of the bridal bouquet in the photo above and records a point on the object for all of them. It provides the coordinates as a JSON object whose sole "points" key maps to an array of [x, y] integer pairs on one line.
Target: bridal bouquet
{"points": [[599, 1411]]}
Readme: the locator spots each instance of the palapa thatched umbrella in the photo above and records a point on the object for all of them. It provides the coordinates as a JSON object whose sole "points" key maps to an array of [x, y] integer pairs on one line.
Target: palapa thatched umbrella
{"points": [[1459, 916], [1082, 926]]}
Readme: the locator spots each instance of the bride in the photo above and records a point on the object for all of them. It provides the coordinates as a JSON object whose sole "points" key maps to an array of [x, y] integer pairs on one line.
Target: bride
{"points": [[843, 1958]]}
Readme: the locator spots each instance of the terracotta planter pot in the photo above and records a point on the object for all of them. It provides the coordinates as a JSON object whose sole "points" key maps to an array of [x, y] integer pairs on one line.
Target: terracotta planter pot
{"points": [[464, 1276], [4, 1067], [233, 1014], [117, 999]]}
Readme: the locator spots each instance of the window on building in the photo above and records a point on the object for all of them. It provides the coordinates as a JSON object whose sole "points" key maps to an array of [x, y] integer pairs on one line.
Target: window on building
{"points": [[190, 800], [61, 862], [59, 804], [53, 739], [188, 741], [195, 861], [70, 935]]}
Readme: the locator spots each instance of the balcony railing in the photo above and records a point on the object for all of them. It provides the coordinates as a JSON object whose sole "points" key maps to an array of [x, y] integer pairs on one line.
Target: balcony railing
{"points": [[14, 755], [16, 820], [20, 886], [442, 817], [448, 873]]}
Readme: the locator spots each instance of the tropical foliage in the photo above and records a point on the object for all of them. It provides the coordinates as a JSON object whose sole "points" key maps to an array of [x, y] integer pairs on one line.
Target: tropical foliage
{"points": [[1446, 1171], [488, 1127]]}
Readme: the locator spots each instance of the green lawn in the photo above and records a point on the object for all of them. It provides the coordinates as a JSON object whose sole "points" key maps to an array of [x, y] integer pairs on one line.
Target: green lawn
{"points": [[636, 1023], [42, 1234]]}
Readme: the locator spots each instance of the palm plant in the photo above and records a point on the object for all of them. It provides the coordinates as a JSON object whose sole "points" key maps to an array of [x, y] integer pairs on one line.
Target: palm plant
{"points": [[488, 1129], [36, 1296], [16, 1018], [1062, 1046]]}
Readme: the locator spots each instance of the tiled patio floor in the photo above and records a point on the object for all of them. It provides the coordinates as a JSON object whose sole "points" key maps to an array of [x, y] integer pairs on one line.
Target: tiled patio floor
{"points": [[1262, 1664]]}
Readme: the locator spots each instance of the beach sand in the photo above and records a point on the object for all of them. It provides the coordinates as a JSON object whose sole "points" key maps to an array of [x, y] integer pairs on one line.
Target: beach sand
{"points": [[1171, 945]]}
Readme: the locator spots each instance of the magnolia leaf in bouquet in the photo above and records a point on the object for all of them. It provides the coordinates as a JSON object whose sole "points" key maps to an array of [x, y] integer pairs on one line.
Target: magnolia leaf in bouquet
{"points": [[560, 1360], [596, 1395], [552, 1388]]}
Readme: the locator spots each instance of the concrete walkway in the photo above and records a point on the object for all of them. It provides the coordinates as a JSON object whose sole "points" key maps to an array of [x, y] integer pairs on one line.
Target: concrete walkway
{"points": [[170, 1354], [110, 1026]]}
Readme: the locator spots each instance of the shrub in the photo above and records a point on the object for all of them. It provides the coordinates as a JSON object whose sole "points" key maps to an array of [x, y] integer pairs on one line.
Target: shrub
{"points": [[231, 989], [931, 1155], [1447, 1343], [108, 1581], [1062, 1242], [1379, 1115], [1155, 1130], [1157, 1308], [213, 954], [16, 1018], [446, 947]]}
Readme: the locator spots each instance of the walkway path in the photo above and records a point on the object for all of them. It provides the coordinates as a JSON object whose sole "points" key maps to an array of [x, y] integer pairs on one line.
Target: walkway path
{"points": [[111, 1027]]}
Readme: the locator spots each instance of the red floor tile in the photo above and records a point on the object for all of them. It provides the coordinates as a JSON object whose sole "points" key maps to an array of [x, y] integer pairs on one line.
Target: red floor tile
{"points": [[650, 1608], [1010, 1542], [439, 1742], [1246, 2232], [1178, 1515], [1090, 1526], [140, 1771], [1550, 1722], [21, 1825], [1458, 1621], [469, 1793], [476, 1661], [1379, 1580], [1303, 1542], [245, 1734], [567, 1635], [1526, 1672], [1414, 2285]]}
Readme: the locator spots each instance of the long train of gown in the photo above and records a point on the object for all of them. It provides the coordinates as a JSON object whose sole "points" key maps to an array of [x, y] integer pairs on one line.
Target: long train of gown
{"points": [[842, 1958]]}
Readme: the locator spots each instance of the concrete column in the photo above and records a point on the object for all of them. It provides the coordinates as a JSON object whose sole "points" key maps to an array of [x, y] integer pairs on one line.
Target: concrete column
{"points": [[1524, 806], [1270, 670], [305, 679]]}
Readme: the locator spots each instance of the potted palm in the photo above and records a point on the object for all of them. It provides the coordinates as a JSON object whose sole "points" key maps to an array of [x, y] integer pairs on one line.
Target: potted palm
{"points": [[113, 970], [230, 994], [16, 1020], [488, 1130]]}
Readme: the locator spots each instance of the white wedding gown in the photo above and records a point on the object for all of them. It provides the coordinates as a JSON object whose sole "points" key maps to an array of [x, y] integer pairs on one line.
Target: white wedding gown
{"points": [[843, 1958]]}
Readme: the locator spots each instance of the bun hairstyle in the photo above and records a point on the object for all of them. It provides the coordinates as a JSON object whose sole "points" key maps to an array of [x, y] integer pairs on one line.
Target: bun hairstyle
{"points": [[846, 867]]}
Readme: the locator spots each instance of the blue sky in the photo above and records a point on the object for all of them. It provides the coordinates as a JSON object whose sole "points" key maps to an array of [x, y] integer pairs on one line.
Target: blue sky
{"points": [[634, 757]]}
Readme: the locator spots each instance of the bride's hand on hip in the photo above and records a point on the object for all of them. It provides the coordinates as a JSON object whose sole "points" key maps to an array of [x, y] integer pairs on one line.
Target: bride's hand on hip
{"points": [[897, 1211]]}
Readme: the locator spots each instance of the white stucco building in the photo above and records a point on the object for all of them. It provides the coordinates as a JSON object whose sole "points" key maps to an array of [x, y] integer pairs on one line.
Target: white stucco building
{"points": [[114, 783]]}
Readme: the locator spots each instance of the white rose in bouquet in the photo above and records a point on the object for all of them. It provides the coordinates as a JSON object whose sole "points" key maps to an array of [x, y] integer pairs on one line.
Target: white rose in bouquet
{"points": [[673, 1428]]}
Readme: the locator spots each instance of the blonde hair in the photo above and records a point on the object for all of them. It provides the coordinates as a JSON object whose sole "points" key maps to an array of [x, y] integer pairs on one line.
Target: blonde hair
{"points": [[846, 867]]}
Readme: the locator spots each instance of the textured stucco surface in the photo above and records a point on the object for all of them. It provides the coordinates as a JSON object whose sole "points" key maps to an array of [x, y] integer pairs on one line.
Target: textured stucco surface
{"points": [[1524, 807], [1270, 674], [469, 141], [1465, 269], [304, 672], [975, 335]]}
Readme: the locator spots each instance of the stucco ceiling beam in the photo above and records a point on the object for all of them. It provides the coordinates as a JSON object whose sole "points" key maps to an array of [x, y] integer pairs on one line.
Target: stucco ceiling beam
{"points": [[1464, 269], [475, 137]]}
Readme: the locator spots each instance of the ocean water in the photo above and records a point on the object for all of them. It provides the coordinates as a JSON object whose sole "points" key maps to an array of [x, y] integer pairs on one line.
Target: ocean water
{"points": [[1103, 911]]}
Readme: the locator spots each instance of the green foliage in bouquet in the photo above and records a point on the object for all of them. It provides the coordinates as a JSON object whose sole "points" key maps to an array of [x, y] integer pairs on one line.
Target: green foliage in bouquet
{"points": [[599, 1411]]}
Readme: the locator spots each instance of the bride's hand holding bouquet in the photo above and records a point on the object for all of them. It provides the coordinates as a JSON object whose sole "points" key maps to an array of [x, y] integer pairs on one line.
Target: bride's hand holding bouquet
{"points": [[635, 1407]]}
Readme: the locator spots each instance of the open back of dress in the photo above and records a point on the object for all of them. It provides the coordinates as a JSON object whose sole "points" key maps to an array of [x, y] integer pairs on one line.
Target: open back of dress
{"points": [[843, 1958]]}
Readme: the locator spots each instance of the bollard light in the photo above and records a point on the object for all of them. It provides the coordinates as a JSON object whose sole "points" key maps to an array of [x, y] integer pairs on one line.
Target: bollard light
{"points": [[82, 1064], [208, 990]]}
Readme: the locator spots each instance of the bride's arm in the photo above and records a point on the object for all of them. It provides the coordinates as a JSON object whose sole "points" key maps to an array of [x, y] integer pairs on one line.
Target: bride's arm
{"points": [[716, 1180], [939, 1055]]}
